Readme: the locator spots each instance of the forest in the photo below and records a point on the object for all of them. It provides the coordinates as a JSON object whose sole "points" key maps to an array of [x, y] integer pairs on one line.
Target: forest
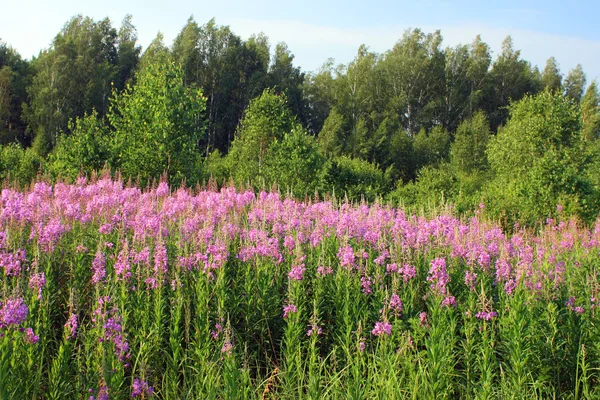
{"points": [[419, 125]]}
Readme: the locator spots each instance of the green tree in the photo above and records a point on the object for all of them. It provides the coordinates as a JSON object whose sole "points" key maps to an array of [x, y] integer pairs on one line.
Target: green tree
{"points": [[431, 148], [155, 53], [319, 95], [256, 59], [6, 94], [157, 125], [128, 52], [357, 91], [18, 164], [414, 75], [15, 75], [400, 163], [478, 72], [85, 150], [356, 178], [332, 136], [590, 113], [457, 86], [537, 160], [511, 78], [266, 120], [229, 71], [74, 76], [286, 78], [296, 164], [551, 77], [468, 152], [575, 83]]}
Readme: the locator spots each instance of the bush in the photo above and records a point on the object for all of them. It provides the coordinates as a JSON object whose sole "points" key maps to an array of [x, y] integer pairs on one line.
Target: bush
{"points": [[86, 150], [18, 164], [357, 178], [296, 164], [538, 162]]}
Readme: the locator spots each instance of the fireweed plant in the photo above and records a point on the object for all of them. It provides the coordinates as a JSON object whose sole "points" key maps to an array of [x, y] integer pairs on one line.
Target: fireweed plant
{"points": [[110, 291]]}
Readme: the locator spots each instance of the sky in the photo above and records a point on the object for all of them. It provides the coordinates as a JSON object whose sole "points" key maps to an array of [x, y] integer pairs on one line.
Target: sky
{"points": [[316, 30]]}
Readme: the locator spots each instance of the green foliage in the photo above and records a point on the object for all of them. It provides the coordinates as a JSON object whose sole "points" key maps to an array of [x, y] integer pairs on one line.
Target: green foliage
{"points": [[590, 114], [6, 82], [431, 148], [155, 53], [157, 126], [511, 78], [468, 152], [400, 156], [287, 79], [266, 120], [15, 75], [434, 185], [75, 75], [216, 168], [357, 178], [229, 71], [296, 164], [575, 83], [18, 164], [85, 150], [332, 138], [318, 91], [538, 162], [413, 72], [551, 77]]}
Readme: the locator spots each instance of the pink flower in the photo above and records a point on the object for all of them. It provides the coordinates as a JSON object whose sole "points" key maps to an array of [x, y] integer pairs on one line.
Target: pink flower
{"points": [[314, 329], [12, 262], [217, 331], [38, 282], [122, 266], [13, 312], [449, 301], [227, 347], [346, 256], [392, 268], [382, 328], [324, 271], [297, 272], [470, 279], [486, 315], [30, 337], [396, 303], [423, 318], [361, 346], [438, 276], [140, 388], [366, 284], [289, 309], [71, 326], [99, 267], [408, 272]]}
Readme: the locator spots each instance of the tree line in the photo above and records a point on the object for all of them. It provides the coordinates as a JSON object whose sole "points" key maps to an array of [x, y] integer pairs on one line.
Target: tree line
{"points": [[418, 124]]}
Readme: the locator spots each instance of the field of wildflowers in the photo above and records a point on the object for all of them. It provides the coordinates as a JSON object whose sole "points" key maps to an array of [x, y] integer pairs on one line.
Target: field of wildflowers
{"points": [[109, 291]]}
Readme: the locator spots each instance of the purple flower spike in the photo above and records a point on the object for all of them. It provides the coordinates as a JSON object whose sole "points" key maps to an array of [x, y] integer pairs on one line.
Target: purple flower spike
{"points": [[13, 312], [382, 328], [140, 388], [289, 309], [30, 337]]}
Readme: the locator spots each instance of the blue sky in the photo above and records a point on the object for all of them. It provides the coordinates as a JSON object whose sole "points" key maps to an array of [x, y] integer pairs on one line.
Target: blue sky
{"points": [[315, 30]]}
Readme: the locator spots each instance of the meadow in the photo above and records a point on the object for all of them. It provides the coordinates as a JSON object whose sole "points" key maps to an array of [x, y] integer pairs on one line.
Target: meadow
{"points": [[112, 291]]}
